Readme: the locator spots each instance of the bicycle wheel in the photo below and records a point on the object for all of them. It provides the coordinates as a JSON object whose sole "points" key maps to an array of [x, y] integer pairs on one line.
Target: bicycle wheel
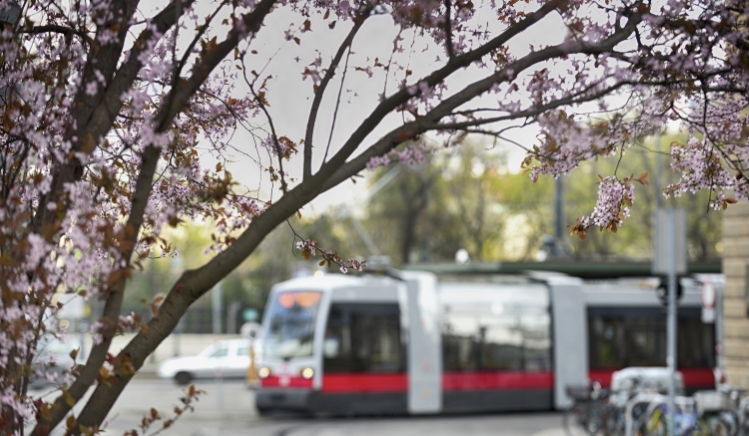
{"points": [[567, 418], [656, 424], [595, 426], [719, 427], [744, 427]]}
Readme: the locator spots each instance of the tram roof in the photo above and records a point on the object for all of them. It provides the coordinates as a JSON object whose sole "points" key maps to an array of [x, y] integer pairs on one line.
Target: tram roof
{"points": [[572, 267], [325, 281]]}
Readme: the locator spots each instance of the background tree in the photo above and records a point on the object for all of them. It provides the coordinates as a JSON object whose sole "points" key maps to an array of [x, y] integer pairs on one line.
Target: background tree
{"points": [[704, 225], [275, 260], [476, 203], [119, 119], [452, 200], [395, 215]]}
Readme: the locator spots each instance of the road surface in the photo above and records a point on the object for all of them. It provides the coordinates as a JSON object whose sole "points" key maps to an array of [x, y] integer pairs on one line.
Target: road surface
{"points": [[227, 409]]}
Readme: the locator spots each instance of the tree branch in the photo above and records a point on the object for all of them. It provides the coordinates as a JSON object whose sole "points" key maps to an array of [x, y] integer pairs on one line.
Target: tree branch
{"points": [[320, 92], [448, 30], [55, 28], [112, 100], [103, 397], [391, 103], [430, 120]]}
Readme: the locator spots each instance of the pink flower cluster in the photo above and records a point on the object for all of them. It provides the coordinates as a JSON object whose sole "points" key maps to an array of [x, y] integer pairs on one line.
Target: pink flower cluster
{"points": [[612, 206], [310, 249], [412, 153]]}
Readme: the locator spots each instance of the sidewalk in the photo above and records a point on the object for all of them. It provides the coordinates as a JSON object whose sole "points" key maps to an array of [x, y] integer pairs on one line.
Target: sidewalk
{"points": [[559, 432], [147, 372]]}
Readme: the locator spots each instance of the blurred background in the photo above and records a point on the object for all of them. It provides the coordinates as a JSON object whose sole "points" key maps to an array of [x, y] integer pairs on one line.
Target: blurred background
{"points": [[469, 201]]}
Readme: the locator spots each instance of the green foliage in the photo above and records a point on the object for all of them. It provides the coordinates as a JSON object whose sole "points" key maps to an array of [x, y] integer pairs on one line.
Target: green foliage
{"points": [[472, 200], [633, 239], [275, 260], [460, 198], [463, 197]]}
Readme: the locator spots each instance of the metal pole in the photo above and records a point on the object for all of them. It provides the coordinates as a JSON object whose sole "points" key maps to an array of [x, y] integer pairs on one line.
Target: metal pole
{"points": [[175, 269], [176, 339], [719, 329], [671, 327], [216, 300], [656, 180], [558, 218]]}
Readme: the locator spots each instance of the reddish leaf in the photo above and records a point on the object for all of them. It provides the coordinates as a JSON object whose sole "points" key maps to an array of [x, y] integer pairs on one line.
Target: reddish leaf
{"points": [[643, 179]]}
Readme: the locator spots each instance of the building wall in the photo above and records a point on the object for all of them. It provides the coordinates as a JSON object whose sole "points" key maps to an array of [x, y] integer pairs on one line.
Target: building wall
{"points": [[736, 323]]}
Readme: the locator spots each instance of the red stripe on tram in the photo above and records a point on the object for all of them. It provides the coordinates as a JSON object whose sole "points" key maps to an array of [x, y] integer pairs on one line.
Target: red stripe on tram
{"points": [[602, 376], [275, 381], [358, 382], [693, 377], [497, 380], [698, 377]]}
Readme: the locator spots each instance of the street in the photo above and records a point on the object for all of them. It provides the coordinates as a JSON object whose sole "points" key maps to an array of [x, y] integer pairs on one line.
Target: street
{"points": [[226, 409]]}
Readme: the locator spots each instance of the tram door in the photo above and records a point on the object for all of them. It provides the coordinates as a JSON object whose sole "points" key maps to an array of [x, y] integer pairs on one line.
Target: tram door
{"points": [[424, 344], [364, 358]]}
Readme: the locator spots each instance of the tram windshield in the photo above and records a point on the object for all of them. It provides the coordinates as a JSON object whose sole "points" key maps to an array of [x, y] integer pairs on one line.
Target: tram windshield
{"points": [[292, 324]]}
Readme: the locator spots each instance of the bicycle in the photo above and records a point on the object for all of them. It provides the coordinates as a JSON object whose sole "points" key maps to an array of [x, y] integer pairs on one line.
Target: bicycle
{"points": [[590, 410], [689, 420], [686, 423]]}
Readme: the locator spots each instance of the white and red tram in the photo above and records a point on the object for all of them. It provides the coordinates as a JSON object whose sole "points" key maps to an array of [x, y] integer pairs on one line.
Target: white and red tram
{"points": [[408, 343]]}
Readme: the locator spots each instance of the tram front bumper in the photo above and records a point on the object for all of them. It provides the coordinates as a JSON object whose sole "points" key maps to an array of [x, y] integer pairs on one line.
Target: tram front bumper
{"points": [[283, 399]]}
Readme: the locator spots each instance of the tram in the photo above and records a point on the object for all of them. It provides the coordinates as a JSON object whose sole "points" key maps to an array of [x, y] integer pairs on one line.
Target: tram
{"points": [[407, 343]]}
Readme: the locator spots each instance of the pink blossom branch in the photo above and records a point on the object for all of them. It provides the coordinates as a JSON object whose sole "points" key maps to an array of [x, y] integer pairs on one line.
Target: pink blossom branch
{"points": [[103, 399], [430, 120]]}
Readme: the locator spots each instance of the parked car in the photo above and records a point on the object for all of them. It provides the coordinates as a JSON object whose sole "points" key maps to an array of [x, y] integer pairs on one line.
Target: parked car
{"points": [[227, 359]]}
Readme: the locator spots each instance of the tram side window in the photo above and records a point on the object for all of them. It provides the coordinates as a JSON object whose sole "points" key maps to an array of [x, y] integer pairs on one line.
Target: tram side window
{"points": [[606, 342], [646, 342], [696, 347], [622, 337], [460, 347], [490, 337], [363, 338]]}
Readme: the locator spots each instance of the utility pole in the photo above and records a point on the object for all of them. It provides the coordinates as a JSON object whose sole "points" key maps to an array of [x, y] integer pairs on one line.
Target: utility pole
{"points": [[558, 248], [175, 269], [670, 259], [656, 180], [219, 375], [217, 309]]}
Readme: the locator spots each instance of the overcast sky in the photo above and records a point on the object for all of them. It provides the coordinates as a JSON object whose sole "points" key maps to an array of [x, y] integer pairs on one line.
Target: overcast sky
{"points": [[290, 96]]}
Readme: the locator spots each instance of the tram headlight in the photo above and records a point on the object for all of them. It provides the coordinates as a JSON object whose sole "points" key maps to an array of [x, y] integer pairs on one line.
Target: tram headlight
{"points": [[263, 372], [308, 373]]}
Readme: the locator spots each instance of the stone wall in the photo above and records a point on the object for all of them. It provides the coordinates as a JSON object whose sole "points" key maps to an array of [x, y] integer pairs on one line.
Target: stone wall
{"points": [[736, 323]]}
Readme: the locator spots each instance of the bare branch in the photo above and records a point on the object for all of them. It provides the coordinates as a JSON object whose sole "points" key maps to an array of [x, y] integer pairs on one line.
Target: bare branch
{"points": [[391, 103], [320, 92], [431, 119], [54, 28]]}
